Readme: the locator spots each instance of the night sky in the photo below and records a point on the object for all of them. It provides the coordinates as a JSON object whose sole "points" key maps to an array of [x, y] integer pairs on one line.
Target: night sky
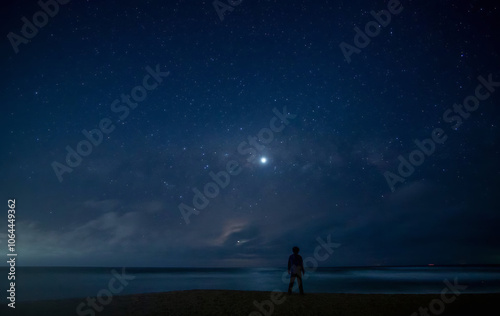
{"points": [[160, 97]]}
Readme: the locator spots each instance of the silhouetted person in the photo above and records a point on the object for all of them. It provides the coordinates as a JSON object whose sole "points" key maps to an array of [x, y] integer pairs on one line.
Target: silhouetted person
{"points": [[295, 269]]}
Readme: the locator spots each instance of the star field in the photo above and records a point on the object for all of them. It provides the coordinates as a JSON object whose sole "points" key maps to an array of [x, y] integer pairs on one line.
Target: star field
{"points": [[230, 86]]}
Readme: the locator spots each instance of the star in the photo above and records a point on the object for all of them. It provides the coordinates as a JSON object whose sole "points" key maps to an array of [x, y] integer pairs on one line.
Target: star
{"points": [[263, 160]]}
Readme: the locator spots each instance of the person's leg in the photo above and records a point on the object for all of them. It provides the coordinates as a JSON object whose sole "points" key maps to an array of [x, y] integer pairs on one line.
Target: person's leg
{"points": [[292, 280], [299, 281]]}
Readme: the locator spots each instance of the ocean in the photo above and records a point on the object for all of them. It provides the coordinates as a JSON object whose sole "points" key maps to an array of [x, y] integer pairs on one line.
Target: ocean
{"points": [[46, 283]]}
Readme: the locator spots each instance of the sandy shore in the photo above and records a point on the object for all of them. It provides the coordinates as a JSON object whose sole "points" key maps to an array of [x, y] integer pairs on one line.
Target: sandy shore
{"points": [[222, 302]]}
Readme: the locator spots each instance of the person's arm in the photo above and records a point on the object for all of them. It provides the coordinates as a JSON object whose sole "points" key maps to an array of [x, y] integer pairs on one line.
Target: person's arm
{"points": [[302, 265], [289, 265]]}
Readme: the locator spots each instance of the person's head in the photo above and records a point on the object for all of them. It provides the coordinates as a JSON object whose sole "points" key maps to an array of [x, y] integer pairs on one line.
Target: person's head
{"points": [[295, 250]]}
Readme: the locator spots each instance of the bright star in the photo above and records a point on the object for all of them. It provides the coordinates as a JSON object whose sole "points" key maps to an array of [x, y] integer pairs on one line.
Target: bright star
{"points": [[263, 160]]}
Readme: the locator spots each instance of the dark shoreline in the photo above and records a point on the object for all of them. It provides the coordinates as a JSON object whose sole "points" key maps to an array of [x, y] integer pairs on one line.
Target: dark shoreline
{"points": [[234, 303]]}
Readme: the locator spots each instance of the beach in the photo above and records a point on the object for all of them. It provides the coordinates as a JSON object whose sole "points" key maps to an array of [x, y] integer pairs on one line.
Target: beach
{"points": [[229, 302]]}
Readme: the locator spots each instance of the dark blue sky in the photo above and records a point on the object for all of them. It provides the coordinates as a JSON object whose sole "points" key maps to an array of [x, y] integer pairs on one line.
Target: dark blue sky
{"points": [[347, 128]]}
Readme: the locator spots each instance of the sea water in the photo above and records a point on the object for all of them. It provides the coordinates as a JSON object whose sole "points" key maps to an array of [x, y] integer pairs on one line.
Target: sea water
{"points": [[44, 283]]}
